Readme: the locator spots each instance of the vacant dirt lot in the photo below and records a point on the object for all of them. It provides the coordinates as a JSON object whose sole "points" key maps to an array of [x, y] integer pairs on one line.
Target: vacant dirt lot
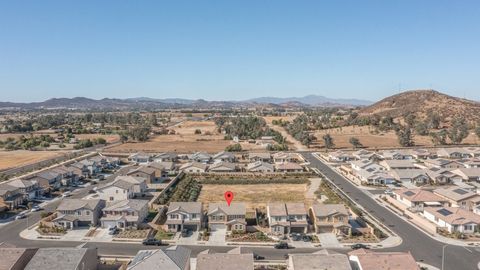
{"points": [[10, 159], [185, 140], [258, 195], [341, 137]]}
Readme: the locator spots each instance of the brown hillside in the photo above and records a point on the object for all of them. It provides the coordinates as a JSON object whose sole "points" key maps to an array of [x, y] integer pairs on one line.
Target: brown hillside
{"points": [[420, 102]]}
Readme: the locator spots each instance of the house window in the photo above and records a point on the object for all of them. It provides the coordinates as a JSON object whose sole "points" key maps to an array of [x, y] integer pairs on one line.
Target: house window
{"points": [[194, 216], [111, 198], [116, 191], [87, 213], [79, 213]]}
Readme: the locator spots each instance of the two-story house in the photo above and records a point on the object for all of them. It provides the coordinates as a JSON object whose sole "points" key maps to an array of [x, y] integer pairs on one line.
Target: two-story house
{"points": [[139, 184], [221, 216], [287, 218], [68, 175], [118, 190], [30, 189], [331, 218], [297, 216], [184, 215], [73, 213], [145, 172], [10, 196], [141, 157], [127, 214]]}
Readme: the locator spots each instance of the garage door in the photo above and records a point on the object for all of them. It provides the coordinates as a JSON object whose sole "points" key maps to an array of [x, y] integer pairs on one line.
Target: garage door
{"points": [[190, 227], [107, 224], [83, 223], [325, 229], [297, 229], [215, 227]]}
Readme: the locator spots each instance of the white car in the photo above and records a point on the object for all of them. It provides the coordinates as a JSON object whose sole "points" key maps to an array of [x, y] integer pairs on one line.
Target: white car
{"points": [[67, 194], [36, 208]]}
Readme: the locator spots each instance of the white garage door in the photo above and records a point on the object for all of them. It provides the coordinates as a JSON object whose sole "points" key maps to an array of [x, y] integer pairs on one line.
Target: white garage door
{"points": [[215, 227]]}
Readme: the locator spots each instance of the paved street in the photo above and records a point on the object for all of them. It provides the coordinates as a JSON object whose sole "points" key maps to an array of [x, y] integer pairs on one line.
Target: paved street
{"points": [[423, 247]]}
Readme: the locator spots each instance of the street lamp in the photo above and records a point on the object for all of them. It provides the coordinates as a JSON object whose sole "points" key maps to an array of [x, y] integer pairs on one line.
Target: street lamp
{"points": [[443, 256]]}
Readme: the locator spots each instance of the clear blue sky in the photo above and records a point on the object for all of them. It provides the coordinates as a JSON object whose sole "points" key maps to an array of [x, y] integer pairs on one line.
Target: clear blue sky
{"points": [[228, 50]]}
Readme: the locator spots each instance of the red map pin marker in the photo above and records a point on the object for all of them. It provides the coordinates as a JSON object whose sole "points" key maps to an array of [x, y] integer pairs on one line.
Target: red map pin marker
{"points": [[228, 197]]}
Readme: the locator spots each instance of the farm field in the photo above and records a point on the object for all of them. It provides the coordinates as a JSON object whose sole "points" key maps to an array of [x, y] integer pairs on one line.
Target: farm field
{"points": [[10, 159], [257, 195], [110, 138], [341, 137]]}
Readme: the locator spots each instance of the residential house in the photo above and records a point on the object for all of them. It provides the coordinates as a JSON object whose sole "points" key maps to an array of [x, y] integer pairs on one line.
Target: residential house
{"points": [[139, 184], [222, 166], [358, 165], [471, 162], [184, 215], [365, 154], [453, 219], [148, 173], [415, 176], [278, 218], [231, 218], [340, 156], [331, 218], [453, 153], [473, 151], [93, 167], [15, 258], [81, 169], [64, 258], [141, 157], [127, 214], [167, 167], [394, 164], [297, 216], [363, 259], [68, 175], [421, 153], [260, 166], [442, 176], [225, 157], [74, 213], [201, 157], [459, 197], [166, 157], [318, 260], [194, 167], [468, 174], [118, 190], [417, 199], [160, 170], [395, 155], [443, 163], [171, 258], [50, 178], [374, 176], [30, 189], [288, 167], [283, 157], [262, 156], [221, 261], [10, 197]]}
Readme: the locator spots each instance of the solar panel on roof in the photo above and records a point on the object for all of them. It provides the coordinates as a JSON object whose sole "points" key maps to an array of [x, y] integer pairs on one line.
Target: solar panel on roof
{"points": [[444, 212], [460, 191], [409, 193]]}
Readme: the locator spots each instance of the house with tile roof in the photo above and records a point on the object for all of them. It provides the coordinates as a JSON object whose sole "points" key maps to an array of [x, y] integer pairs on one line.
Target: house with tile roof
{"points": [[230, 218], [416, 199], [127, 214], [364, 259], [171, 258], [184, 215], [453, 219], [330, 218], [74, 213]]}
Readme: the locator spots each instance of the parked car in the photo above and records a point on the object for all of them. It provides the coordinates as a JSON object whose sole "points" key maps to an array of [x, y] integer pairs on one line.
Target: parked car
{"points": [[101, 177], [359, 246], [152, 242], [36, 208], [258, 257], [307, 238], [91, 191], [20, 216], [281, 245], [67, 194], [388, 192], [185, 233]]}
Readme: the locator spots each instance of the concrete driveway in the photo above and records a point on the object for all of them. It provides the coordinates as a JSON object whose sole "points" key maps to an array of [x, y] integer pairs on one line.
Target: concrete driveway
{"points": [[217, 237], [328, 240], [189, 240]]}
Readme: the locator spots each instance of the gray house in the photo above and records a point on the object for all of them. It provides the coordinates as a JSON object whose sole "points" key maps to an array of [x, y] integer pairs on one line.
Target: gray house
{"points": [[64, 258], [172, 258], [73, 213]]}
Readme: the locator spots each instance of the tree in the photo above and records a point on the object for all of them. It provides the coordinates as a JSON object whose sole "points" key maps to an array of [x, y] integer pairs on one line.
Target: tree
{"points": [[234, 148], [198, 131], [355, 142], [439, 138], [328, 141], [477, 131], [458, 131], [410, 119], [421, 128], [405, 137]]}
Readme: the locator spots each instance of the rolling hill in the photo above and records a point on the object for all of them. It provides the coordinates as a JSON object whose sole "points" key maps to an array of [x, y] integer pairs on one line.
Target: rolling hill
{"points": [[419, 102]]}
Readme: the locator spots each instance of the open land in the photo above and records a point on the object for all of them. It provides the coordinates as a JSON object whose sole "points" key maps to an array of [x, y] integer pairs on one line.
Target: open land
{"points": [[10, 159]]}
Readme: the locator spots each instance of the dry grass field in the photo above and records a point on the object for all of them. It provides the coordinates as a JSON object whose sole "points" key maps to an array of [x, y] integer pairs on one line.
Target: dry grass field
{"points": [[10, 159], [254, 195], [110, 138], [341, 137], [269, 119], [4, 136], [184, 141]]}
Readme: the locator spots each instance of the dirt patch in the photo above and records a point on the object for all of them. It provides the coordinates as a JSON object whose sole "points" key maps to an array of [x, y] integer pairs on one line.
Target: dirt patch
{"points": [[110, 138], [254, 195]]}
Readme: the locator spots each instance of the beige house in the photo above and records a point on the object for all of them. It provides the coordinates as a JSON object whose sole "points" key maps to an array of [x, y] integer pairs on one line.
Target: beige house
{"points": [[221, 261], [416, 199], [128, 214], [330, 218], [184, 215], [367, 259], [260, 166], [73, 213], [318, 260], [230, 218], [459, 197], [287, 218], [288, 167], [194, 167], [148, 173], [15, 258]]}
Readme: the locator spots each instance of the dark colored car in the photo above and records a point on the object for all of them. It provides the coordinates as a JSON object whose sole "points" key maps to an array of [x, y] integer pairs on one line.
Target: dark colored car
{"points": [[152, 242], [258, 257], [307, 238], [281, 245], [185, 233], [359, 246]]}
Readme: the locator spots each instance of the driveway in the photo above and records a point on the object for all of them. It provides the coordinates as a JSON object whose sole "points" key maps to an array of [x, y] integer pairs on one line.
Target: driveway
{"points": [[217, 237], [189, 240], [328, 240]]}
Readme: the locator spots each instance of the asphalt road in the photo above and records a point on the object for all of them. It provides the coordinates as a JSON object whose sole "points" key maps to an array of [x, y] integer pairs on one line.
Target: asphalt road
{"points": [[422, 246]]}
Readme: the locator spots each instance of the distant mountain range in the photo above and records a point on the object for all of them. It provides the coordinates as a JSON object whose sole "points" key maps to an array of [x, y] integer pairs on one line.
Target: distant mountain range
{"points": [[151, 103]]}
